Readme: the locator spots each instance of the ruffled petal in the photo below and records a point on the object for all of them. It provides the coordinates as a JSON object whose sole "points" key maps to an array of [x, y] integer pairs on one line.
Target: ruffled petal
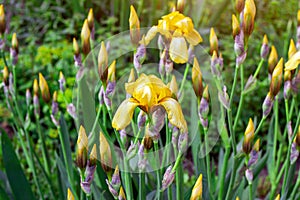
{"points": [[175, 114], [124, 114], [178, 50], [193, 37]]}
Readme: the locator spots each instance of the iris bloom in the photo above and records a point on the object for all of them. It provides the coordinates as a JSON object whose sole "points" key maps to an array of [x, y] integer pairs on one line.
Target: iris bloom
{"points": [[147, 93], [177, 29], [293, 62]]}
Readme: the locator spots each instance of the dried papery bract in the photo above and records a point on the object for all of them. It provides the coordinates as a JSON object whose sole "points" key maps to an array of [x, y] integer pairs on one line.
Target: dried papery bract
{"points": [[276, 78], [103, 64], [273, 59], [248, 137], [82, 148], [197, 189], [134, 26], [197, 79], [213, 41], [105, 154], [85, 38], [44, 88], [2, 20]]}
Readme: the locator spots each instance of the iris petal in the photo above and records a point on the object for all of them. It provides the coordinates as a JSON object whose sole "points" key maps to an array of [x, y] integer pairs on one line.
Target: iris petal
{"points": [[293, 62], [178, 50], [175, 114], [124, 114], [193, 37]]}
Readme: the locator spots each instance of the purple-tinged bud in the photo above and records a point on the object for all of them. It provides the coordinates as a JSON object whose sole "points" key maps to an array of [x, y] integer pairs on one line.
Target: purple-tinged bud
{"points": [[294, 153], [115, 180], [54, 120], [72, 110], [11, 84], [161, 66], [214, 64], [267, 105], [131, 150], [36, 105], [224, 98], [169, 66], [14, 56], [101, 96], [296, 84], [221, 61], [112, 190], [157, 120], [250, 85], [54, 107], [139, 57], [77, 61], [168, 178], [290, 130], [253, 158], [107, 101], [287, 89], [182, 142], [141, 120], [28, 97], [264, 50], [241, 58], [61, 81], [239, 44], [110, 88], [191, 53], [203, 112], [160, 43], [142, 161], [123, 135], [175, 133], [249, 175]]}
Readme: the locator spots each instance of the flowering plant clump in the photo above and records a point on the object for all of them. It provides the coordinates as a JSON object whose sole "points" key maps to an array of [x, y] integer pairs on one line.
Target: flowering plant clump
{"points": [[129, 125]]}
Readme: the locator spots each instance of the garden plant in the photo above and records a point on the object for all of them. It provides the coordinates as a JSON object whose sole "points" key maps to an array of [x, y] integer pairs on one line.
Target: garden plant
{"points": [[148, 104]]}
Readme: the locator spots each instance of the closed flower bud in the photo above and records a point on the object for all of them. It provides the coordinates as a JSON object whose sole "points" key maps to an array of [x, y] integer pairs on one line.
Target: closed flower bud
{"points": [[85, 38], [36, 105], [256, 145], [235, 26], [28, 97], [298, 17], [15, 43], [141, 120], [292, 49], [223, 97], [264, 50], [267, 105], [72, 110], [93, 155], [103, 63], [213, 41], [134, 26], [131, 77], [248, 137], [75, 47], [204, 108], [287, 84], [277, 197], [54, 104], [168, 178], [147, 142], [44, 88], [180, 5], [5, 73], [82, 148], [2, 20], [214, 64], [239, 44], [182, 142], [111, 76], [90, 19], [273, 59], [197, 79], [197, 189], [61, 81], [249, 15], [249, 175], [122, 195], [112, 189], [116, 180], [276, 78], [70, 195], [173, 86], [239, 5], [105, 154], [139, 57], [294, 153]]}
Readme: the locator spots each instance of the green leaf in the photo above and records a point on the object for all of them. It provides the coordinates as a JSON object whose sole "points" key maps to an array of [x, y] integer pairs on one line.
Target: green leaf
{"points": [[15, 175], [3, 194]]}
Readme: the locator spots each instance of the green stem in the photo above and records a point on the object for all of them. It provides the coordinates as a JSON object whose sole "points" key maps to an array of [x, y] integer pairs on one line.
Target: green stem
{"points": [[97, 119], [142, 186], [275, 132], [250, 191], [237, 117], [208, 163], [296, 187], [184, 77], [43, 144], [259, 126], [178, 176], [223, 175], [258, 68], [232, 178], [158, 177]]}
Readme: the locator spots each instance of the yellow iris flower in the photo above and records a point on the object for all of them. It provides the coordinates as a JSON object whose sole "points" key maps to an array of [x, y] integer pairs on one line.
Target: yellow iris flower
{"points": [[177, 29], [147, 93], [293, 62]]}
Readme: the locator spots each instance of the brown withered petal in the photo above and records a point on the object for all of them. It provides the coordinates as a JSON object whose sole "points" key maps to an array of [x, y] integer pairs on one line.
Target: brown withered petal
{"points": [[44, 88]]}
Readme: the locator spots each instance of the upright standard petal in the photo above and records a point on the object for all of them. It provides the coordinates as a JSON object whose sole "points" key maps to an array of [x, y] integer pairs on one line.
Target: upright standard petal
{"points": [[175, 114], [124, 114], [178, 50]]}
